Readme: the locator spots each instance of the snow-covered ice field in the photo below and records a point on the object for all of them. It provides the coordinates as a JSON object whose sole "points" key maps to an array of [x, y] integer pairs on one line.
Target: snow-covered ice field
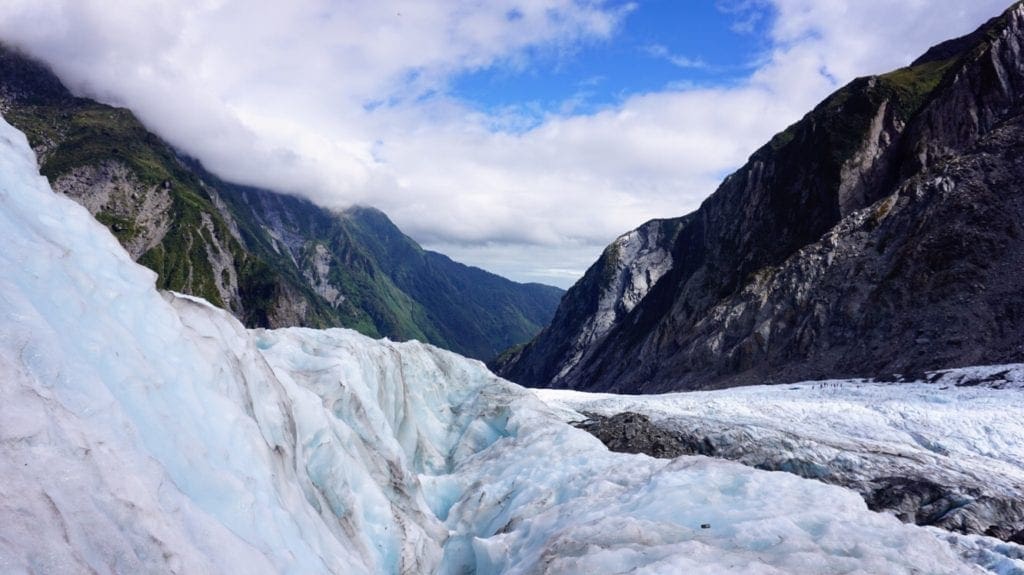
{"points": [[961, 429], [149, 433]]}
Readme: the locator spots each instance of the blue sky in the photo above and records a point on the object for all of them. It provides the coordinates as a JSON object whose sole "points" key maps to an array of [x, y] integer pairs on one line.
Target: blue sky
{"points": [[659, 45], [520, 136]]}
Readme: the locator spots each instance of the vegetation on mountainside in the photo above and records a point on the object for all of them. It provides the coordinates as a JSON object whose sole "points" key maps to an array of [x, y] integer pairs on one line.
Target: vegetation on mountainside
{"points": [[912, 85], [467, 307], [610, 262], [78, 133], [846, 115], [124, 229], [392, 287]]}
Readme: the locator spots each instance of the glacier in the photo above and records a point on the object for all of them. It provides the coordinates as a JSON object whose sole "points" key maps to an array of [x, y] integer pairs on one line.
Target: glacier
{"points": [[947, 451], [149, 432]]}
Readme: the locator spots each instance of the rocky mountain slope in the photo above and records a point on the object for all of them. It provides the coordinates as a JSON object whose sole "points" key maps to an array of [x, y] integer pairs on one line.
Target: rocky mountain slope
{"points": [[883, 233], [272, 260]]}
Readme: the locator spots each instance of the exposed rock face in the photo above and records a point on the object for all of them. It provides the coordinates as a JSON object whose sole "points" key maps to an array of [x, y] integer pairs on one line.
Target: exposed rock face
{"points": [[318, 273], [880, 234], [630, 432], [610, 290], [139, 215], [272, 260]]}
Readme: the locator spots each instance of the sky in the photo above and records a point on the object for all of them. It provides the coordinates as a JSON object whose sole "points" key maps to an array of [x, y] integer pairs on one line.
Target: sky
{"points": [[520, 136]]}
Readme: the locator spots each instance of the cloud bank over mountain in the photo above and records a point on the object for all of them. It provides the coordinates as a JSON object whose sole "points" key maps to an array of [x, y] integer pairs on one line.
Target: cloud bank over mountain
{"points": [[352, 102]]}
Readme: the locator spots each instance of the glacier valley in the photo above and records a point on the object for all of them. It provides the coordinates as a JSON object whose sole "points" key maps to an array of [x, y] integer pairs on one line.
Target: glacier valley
{"points": [[148, 432]]}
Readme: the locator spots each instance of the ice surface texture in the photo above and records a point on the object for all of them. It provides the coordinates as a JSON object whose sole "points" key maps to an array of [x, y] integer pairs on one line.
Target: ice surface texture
{"points": [[947, 453], [145, 432]]}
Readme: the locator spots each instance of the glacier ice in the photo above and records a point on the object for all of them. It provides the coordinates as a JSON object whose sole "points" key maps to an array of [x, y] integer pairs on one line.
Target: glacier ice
{"points": [[150, 432], [948, 451]]}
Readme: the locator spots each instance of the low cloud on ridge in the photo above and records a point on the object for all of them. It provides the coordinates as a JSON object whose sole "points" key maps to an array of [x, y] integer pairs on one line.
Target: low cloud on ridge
{"points": [[347, 102]]}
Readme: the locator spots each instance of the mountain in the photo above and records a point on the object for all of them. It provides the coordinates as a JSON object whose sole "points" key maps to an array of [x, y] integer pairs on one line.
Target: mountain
{"points": [[148, 432], [273, 260], [883, 233]]}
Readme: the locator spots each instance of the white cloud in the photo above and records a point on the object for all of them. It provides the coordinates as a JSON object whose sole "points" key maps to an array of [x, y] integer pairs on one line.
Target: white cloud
{"points": [[677, 60], [345, 102]]}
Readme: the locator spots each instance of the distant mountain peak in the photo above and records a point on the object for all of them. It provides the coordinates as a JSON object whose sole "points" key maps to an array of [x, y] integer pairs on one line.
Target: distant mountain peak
{"points": [[28, 81], [960, 46]]}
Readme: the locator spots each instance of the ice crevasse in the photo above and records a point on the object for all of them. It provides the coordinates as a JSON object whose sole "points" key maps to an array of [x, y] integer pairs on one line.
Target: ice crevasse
{"points": [[143, 432]]}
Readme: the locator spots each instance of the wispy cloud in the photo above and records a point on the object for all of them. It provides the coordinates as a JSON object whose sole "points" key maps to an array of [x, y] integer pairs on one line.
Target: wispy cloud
{"points": [[748, 15], [662, 53]]}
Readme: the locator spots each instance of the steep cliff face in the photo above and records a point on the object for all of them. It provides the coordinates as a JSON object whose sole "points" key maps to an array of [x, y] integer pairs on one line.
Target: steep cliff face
{"points": [[882, 233], [612, 287], [272, 260]]}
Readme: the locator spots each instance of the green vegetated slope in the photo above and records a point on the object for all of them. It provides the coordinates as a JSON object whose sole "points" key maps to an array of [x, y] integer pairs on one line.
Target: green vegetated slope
{"points": [[467, 297], [272, 260]]}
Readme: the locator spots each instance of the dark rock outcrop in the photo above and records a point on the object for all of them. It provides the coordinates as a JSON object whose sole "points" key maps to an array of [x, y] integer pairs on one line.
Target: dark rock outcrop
{"points": [[630, 432], [883, 233]]}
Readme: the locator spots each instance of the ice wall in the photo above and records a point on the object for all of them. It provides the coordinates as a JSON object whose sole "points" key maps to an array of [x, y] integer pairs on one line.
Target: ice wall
{"points": [[145, 435]]}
